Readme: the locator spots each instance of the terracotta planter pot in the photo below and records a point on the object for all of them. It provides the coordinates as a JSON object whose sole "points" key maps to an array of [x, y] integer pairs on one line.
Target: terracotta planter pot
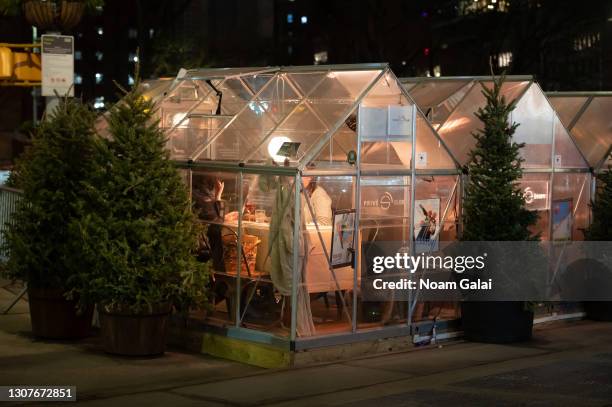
{"points": [[126, 333], [496, 322], [39, 13], [54, 317]]}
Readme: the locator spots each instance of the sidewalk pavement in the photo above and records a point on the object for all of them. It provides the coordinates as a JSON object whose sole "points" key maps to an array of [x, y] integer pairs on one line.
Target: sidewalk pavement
{"points": [[566, 364]]}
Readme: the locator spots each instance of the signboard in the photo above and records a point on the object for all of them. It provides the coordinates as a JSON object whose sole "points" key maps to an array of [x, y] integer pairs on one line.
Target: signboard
{"points": [[536, 195], [382, 200], [372, 123], [426, 224], [562, 220], [399, 121], [391, 123], [343, 238], [57, 65]]}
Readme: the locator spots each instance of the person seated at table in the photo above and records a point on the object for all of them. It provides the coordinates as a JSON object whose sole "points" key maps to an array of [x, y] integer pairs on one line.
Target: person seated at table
{"points": [[320, 202], [206, 196]]}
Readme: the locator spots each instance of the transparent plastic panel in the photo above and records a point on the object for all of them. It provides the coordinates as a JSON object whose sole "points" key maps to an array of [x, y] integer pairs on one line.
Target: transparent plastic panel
{"points": [[457, 129], [430, 94], [235, 96], [240, 137], [385, 217], [567, 107], [256, 82], [334, 98], [334, 155], [536, 121], [278, 98], [570, 206], [339, 85], [329, 289], [307, 81], [216, 73], [593, 132], [313, 104], [536, 188], [430, 153], [385, 142], [567, 154], [438, 98], [301, 126]]}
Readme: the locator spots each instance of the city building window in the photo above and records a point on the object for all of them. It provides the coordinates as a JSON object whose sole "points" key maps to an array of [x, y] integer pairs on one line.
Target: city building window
{"points": [[304, 19], [99, 102], [504, 59], [99, 78], [586, 41], [480, 6], [289, 18]]}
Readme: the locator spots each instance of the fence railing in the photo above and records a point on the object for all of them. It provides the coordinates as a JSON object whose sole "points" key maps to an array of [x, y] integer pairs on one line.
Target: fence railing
{"points": [[9, 199]]}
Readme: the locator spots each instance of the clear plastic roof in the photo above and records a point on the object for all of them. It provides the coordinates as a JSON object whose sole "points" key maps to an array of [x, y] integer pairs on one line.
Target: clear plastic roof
{"points": [[587, 116], [245, 115], [548, 143]]}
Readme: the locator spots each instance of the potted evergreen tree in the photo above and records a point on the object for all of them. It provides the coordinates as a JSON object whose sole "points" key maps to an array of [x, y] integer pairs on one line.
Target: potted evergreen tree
{"points": [[494, 211], [141, 233], [601, 230], [43, 237]]}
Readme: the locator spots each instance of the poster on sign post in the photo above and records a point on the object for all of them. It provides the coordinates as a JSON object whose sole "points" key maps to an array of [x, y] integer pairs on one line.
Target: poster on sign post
{"points": [[57, 65]]}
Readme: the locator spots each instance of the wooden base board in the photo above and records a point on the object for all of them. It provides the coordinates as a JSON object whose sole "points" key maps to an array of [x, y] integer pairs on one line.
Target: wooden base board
{"points": [[271, 357]]}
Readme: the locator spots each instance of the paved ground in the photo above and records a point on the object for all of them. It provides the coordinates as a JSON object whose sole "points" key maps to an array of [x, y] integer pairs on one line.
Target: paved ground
{"points": [[568, 364]]}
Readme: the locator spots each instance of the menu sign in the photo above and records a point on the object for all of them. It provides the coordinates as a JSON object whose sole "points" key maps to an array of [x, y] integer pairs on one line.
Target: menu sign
{"points": [[57, 65]]}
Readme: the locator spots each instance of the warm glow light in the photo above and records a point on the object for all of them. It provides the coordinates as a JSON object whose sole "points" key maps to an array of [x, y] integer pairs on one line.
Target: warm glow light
{"points": [[177, 120], [274, 145]]}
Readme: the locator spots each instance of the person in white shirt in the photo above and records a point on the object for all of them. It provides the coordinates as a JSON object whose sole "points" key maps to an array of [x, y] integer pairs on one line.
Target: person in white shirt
{"points": [[319, 200]]}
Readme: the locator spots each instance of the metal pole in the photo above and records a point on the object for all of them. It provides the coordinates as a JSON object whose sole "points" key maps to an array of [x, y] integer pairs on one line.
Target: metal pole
{"points": [[411, 306], [357, 259], [239, 251]]}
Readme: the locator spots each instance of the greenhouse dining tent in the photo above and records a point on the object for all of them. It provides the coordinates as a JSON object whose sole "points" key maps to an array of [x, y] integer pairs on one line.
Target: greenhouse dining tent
{"points": [[556, 176], [587, 117], [268, 135]]}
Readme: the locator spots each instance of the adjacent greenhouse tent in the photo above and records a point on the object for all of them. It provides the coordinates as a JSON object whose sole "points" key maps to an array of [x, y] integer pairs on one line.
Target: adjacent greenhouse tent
{"points": [[587, 115], [556, 178], [350, 147]]}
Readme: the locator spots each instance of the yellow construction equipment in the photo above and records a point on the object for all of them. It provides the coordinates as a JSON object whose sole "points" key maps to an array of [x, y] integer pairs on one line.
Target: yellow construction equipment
{"points": [[19, 65]]}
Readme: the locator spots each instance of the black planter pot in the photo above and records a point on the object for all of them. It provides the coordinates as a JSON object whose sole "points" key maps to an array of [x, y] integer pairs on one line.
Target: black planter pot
{"points": [[496, 322], [54, 317], [126, 333], [598, 310]]}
